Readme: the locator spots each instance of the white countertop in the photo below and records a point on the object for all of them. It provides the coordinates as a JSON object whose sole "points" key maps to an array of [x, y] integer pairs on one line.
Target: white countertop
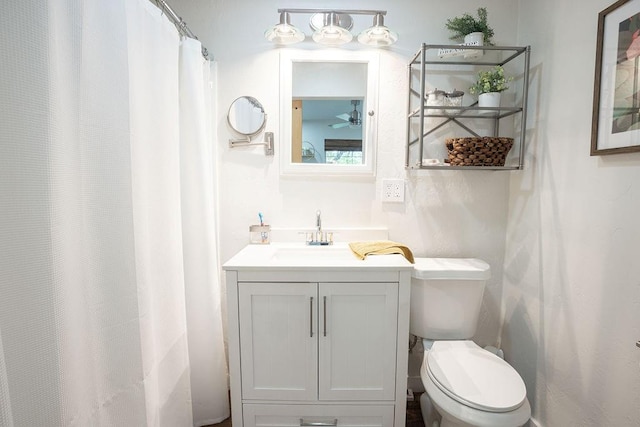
{"points": [[298, 256]]}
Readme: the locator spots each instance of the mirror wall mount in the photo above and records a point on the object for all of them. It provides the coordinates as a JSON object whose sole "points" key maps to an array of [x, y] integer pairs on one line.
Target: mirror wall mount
{"points": [[291, 59], [246, 118], [268, 143]]}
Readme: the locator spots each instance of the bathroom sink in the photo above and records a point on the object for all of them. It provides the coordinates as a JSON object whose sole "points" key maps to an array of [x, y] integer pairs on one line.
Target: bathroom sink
{"points": [[312, 254]]}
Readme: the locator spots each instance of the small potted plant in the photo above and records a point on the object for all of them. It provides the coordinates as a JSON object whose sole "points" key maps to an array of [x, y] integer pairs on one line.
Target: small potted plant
{"points": [[489, 85], [463, 26]]}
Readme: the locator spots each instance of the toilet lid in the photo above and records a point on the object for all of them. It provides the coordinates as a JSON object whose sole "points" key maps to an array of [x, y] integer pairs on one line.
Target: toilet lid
{"points": [[475, 377]]}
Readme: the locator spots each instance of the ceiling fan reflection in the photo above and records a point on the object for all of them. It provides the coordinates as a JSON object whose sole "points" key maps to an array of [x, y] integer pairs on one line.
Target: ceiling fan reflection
{"points": [[351, 119]]}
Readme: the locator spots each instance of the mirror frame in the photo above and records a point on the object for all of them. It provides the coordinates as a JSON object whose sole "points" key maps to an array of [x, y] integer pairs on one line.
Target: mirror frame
{"points": [[369, 134]]}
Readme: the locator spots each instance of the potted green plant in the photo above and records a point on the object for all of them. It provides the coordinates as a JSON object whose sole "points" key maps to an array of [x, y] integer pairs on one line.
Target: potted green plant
{"points": [[489, 85], [462, 26]]}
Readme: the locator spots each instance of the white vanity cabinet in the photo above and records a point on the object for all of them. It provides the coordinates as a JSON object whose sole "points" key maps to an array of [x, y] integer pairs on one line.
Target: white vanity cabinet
{"points": [[318, 345], [318, 341]]}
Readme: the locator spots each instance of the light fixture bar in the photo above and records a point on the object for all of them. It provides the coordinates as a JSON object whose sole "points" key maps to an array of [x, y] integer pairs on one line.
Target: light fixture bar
{"points": [[332, 29], [348, 11]]}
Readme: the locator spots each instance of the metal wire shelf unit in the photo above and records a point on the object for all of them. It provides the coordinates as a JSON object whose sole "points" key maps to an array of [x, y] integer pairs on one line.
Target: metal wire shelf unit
{"points": [[418, 110]]}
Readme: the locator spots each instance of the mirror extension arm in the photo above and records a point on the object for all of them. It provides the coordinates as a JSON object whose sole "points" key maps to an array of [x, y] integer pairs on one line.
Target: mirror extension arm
{"points": [[268, 143]]}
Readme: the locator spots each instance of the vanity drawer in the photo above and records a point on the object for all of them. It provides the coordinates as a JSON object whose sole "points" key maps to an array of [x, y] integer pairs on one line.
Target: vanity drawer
{"points": [[262, 415]]}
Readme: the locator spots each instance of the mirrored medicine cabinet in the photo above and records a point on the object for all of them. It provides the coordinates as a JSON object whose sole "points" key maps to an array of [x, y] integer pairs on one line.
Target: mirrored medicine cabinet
{"points": [[328, 112]]}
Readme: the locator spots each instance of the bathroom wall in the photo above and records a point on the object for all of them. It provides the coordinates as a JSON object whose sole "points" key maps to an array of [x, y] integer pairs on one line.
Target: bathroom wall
{"points": [[572, 277], [571, 294], [446, 213]]}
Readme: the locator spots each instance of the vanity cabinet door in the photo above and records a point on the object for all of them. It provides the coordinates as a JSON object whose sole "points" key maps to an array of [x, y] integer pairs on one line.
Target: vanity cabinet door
{"points": [[278, 343], [357, 332]]}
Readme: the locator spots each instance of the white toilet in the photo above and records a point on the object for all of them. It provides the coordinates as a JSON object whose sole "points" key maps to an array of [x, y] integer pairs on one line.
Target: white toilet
{"points": [[465, 384]]}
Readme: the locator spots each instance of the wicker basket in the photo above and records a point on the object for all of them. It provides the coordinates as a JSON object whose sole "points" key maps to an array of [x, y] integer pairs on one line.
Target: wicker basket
{"points": [[478, 151]]}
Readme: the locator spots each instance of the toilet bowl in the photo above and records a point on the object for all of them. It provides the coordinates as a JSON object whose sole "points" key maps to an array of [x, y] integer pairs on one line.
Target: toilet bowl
{"points": [[465, 384], [470, 386]]}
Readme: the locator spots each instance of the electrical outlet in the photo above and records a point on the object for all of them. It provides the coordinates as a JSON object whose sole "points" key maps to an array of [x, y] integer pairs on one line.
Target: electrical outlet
{"points": [[393, 190]]}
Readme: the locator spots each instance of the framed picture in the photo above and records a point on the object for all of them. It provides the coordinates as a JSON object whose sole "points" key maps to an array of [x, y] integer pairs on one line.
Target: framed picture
{"points": [[615, 124]]}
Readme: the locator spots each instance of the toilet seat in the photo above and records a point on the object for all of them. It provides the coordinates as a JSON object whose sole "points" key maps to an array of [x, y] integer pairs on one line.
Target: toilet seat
{"points": [[474, 377]]}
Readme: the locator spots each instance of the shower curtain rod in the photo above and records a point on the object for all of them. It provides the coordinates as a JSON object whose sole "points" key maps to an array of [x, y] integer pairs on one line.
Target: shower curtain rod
{"points": [[179, 23]]}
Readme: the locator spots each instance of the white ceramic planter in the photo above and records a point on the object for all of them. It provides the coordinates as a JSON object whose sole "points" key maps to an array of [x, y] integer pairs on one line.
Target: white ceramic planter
{"points": [[489, 99], [474, 39]]}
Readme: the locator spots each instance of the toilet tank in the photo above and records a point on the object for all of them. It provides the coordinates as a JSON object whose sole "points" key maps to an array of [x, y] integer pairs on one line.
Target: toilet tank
{"points": [[446, 296]]}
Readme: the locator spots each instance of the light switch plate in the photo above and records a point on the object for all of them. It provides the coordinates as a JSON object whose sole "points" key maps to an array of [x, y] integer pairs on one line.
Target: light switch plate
{"points": [[393, 190]]}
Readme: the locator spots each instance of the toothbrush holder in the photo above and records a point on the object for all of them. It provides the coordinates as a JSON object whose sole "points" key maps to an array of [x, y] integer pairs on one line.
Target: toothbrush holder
{"points": [[260, 234]]}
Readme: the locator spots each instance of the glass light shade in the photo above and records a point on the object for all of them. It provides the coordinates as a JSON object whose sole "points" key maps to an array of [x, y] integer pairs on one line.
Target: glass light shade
{"points": [[284, 32], [332, 34], [378, 34]]}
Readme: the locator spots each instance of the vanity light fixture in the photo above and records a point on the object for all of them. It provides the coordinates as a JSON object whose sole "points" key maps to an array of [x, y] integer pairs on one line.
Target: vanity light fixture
{"points": [[331, 28]]}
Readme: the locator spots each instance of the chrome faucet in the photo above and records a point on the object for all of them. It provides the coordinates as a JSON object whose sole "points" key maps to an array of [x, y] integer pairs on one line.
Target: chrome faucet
{"points": [[318, 222], [319, 237]]}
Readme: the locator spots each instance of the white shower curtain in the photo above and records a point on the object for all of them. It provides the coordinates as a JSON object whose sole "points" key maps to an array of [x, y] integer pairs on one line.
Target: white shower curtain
{"points": [[96, 276], [202, 273]]}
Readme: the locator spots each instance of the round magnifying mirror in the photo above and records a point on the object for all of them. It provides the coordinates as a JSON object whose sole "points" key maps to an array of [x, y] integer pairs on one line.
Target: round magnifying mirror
{"points": [[246, 116]]}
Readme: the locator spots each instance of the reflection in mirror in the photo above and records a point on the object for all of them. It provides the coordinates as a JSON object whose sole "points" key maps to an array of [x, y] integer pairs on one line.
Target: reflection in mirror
{"points": [[246, 116], [327, 112], [331, 130]]}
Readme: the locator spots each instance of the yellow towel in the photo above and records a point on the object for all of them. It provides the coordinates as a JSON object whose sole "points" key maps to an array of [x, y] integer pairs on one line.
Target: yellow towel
{"points": [[380, 247]]}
